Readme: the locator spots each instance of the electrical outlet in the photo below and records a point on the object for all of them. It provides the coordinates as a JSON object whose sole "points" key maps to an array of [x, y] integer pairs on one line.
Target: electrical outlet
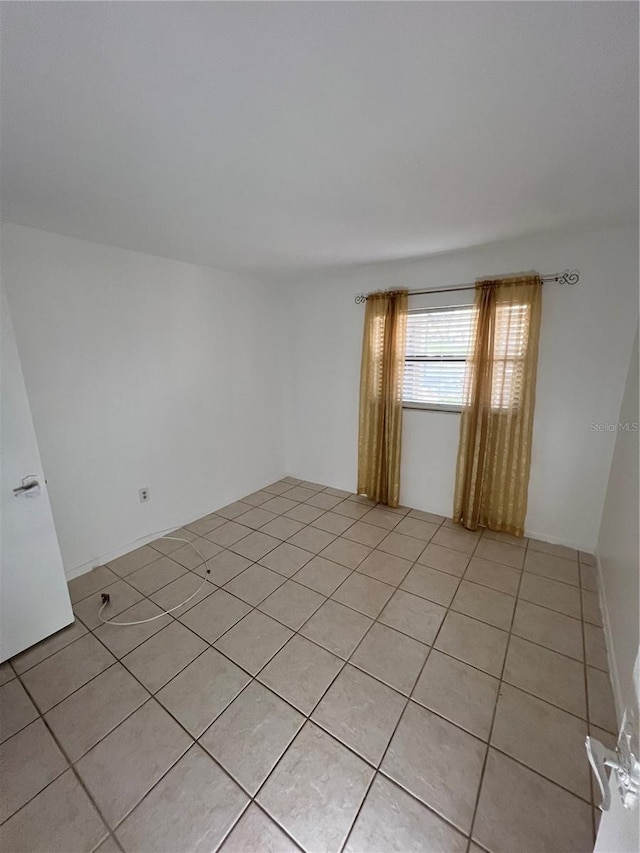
{"points": [[144, 494]]}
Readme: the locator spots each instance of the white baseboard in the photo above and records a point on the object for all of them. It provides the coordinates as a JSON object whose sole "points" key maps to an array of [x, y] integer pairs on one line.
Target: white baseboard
{"points": [[82, 569], [554, 540], [608, 638]]}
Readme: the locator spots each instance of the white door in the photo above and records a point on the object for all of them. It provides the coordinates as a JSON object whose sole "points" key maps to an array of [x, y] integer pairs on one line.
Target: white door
{"points": [[34, 600], [619, 830]]}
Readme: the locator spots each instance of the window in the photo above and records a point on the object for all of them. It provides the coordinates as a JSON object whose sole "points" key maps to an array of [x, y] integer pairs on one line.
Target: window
{"points": [[510, 348], [435, 356]]}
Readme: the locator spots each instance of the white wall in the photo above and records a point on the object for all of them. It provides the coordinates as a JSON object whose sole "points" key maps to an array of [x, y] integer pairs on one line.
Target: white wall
{"points": [[617, 549], [142, 372], [204, 385], [586, 339]]}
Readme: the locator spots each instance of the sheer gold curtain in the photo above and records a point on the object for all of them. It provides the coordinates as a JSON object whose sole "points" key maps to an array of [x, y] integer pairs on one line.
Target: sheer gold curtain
{"points": [[494, 453], [380, 433]]}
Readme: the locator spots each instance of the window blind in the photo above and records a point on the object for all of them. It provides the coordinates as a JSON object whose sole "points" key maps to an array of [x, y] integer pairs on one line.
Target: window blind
{"points": [[510, 346], [436, 351]]}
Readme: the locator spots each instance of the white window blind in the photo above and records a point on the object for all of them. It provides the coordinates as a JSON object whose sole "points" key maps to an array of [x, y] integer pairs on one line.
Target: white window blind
{"points": [[436, 352], [510, 346], [435, 356]]}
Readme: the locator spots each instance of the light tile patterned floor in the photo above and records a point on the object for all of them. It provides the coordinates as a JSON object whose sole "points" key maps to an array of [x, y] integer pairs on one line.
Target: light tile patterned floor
{"points": [[353, 678]]}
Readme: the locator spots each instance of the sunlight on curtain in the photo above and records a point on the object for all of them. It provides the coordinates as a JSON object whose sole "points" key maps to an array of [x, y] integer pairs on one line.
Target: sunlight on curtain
{"points": [[380, 427], [494, 452]]}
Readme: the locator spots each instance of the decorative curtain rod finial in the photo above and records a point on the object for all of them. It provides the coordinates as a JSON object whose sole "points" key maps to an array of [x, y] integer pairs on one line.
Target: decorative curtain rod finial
{"points": [[568, 277], [360, 299]]}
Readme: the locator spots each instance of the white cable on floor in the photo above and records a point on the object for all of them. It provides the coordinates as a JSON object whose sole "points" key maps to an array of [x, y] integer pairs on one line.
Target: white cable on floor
{"points": [[106, 598]]}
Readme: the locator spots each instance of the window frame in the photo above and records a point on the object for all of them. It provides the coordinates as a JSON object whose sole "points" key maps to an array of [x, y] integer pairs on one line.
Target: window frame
{"points": [[449, 408]]}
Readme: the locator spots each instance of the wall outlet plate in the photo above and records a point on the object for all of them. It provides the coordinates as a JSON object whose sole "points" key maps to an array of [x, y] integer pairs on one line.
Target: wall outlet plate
{"points": [[144, 494]]}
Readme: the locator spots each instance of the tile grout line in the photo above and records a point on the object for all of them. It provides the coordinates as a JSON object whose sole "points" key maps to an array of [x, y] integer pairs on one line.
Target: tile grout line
{"points": [[386, 749], [252, 677], [409, 698], [495, 709], [71, 765], [319, 700], [327, 598], [196, 740], [588, 705], [253, 607], [252, 802], [316, 724], [585, 719], [142, 642], [378, 767], [319, 553], [235, 781], [150, 697]]}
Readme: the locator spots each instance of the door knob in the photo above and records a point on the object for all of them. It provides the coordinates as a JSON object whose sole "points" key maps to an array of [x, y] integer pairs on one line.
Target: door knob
{"points": [[30, 487], [623, 763]]}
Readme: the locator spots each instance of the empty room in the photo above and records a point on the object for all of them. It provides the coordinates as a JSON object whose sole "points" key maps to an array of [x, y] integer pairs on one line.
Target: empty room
{"points": [[319, 427]]}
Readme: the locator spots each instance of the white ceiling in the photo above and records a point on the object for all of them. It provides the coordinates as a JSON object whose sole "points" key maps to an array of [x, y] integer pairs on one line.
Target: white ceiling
{"points": [[279, 137]]}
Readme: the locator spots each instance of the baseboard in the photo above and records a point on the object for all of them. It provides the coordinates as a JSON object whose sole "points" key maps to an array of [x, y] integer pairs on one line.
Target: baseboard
{"points": [[446, 512], [608, 638], [554, 540], [83, 568]]}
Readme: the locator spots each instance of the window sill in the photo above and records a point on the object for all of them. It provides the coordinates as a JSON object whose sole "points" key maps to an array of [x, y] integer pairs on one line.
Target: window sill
{"points": [[451, 410]]}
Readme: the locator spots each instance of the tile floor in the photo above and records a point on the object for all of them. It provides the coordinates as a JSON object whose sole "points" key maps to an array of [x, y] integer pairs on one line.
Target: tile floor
{"points": [[353, 678]]}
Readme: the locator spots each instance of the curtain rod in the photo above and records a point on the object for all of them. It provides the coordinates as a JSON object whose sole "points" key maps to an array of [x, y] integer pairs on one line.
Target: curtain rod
{"points": [[567, 277]]}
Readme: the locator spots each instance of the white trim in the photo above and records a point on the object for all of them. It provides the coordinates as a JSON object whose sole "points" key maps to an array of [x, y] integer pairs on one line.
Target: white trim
{"points": [[608, 638], [82, 569], [554, 540]]}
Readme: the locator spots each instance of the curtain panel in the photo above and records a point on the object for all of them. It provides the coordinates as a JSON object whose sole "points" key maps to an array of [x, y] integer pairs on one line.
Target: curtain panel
{"points": [[494, 453], [380, 422]]}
